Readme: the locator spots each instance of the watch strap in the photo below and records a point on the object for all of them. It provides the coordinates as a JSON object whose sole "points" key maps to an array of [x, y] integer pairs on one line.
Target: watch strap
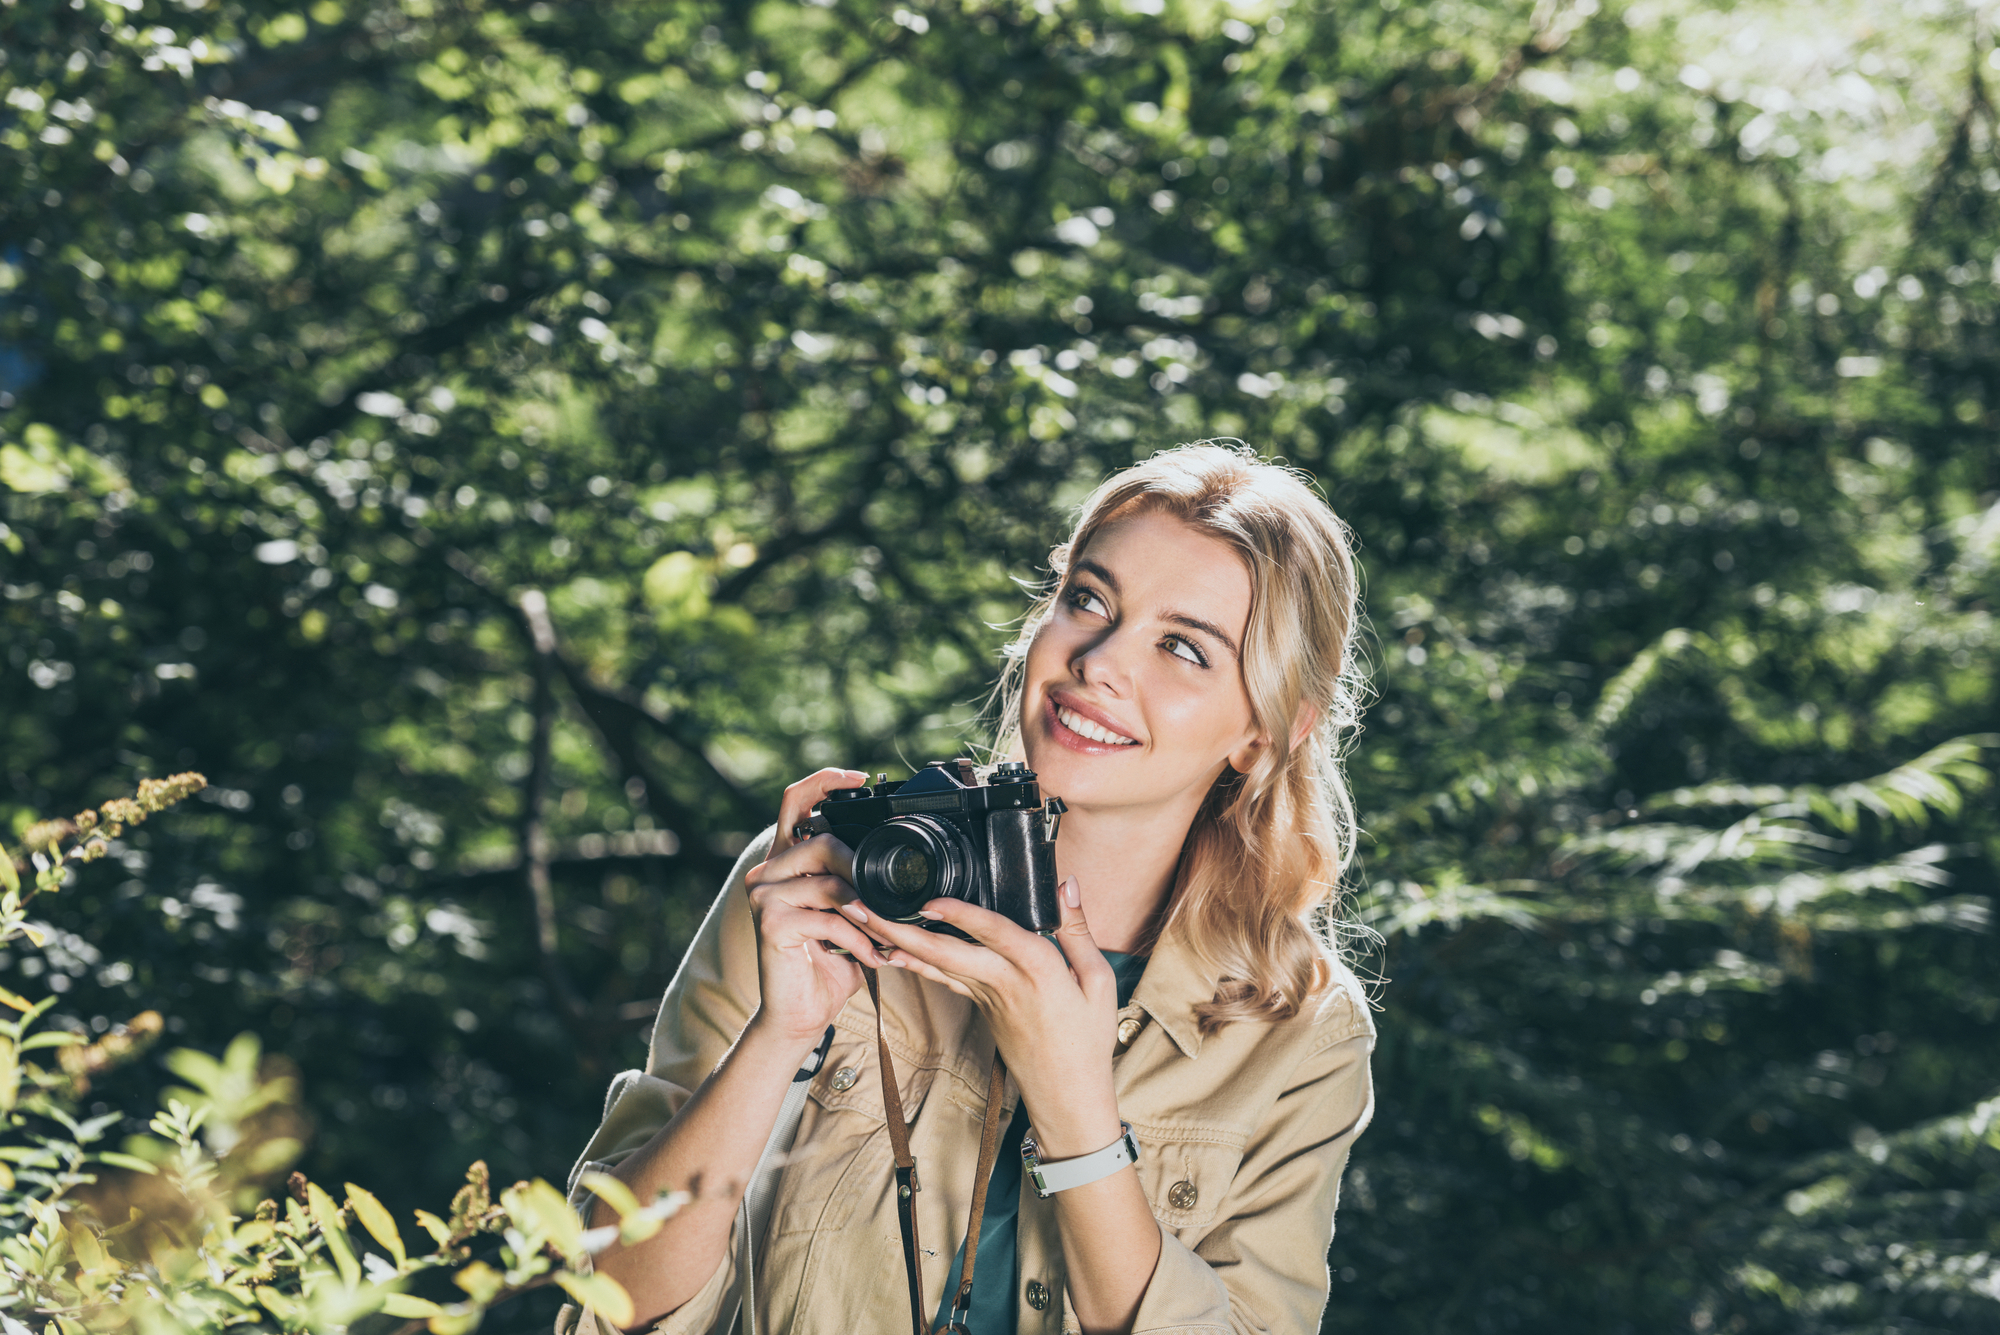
{"points": [[1049, 1178]]}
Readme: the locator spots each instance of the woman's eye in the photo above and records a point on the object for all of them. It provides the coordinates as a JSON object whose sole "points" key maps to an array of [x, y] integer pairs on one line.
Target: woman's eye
{"points": [[1083, 600], [1181, 648]]}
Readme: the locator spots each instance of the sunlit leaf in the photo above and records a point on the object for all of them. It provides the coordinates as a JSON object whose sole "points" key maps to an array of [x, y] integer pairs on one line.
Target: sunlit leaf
{"points": [[545, 1211], [380, 1224], [129, 1161], [326, 1215], [612, 1191], [480, 1280], [439, 1230], [600, 1293], [89, 1251]]}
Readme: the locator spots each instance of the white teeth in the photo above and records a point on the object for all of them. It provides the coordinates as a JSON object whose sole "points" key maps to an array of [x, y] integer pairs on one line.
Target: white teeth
{"points": [[1083, 727]]}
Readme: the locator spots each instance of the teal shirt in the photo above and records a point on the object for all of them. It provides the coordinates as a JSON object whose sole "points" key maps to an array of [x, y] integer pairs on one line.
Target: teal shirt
{"points": [[996, 1280]]}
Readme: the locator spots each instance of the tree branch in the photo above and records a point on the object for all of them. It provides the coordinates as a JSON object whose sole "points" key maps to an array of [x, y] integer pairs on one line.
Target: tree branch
{"points": [[607, 706], [533, 838]]}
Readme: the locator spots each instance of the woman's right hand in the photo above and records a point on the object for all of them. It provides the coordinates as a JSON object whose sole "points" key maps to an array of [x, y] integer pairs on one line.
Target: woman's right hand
{"points": [[793, 895]]}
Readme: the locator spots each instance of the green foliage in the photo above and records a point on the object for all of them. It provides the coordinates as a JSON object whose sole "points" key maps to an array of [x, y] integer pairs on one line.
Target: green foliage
{"points": [[149, 1239], [504, 444]]}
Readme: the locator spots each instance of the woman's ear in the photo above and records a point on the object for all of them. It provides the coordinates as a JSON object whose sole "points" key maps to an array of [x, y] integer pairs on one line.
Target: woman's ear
{"points": [[1302, 726], [1246, 755]]}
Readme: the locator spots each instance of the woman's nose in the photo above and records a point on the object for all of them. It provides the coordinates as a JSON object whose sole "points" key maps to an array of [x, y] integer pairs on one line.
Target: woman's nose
{"points": [[1105, 662]]}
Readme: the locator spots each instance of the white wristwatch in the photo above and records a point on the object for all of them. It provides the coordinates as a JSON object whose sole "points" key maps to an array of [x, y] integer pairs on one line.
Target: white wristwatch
{"points": [[1049, 1178]]}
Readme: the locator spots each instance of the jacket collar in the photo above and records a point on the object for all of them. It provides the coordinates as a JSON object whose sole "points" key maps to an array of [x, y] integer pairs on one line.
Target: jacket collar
{"points": [[1175, 982]]}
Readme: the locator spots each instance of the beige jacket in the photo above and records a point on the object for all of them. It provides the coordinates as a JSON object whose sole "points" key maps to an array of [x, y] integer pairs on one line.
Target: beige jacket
{"points": [[1243, 1134]]}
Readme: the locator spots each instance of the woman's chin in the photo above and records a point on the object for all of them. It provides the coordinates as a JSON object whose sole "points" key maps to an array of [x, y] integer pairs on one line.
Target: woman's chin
{"points": [[1074, 776]]}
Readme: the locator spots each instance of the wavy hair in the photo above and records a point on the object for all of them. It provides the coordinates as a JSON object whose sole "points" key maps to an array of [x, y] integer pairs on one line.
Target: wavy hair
{"points": [[1257, 890]]}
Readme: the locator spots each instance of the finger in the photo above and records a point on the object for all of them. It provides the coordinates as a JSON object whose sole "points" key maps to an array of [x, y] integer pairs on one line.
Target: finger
{"points": [[817, 929], [959, 958], [902, 959], [820, 855], [841, 964], [1093, 972], [807, 793], [801, 892], [998, 933]]}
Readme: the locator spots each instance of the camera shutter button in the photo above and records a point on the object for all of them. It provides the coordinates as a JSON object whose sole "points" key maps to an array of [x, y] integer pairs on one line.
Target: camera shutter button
{"points": [[1128, 1029], [844, 1078]]}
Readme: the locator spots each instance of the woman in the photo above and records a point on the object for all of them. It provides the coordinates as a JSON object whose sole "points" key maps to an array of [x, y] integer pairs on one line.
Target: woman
{"points": [[1183, 686]]}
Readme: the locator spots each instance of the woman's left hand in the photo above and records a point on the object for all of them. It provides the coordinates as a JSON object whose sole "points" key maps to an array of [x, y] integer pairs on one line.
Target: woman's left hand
{"points": [[1052, 1008]]}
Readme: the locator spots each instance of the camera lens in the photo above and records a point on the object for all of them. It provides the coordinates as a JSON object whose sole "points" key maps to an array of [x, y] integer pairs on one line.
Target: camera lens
{"points": [[904, 863], [907, 871]]}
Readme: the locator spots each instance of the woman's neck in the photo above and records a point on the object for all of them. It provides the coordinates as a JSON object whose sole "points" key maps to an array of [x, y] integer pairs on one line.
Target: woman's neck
{"points": [[1124, 861]]}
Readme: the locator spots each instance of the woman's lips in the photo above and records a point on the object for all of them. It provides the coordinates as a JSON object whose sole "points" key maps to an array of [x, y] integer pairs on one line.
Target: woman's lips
{"points": [[1075, 740]]}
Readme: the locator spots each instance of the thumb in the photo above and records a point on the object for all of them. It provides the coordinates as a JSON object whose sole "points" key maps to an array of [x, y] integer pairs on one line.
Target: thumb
{"points": [[1079, 947]]}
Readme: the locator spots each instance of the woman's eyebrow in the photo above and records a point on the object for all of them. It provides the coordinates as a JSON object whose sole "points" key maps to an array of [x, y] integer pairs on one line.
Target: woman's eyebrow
{"points": [[1110, 581], [1089, 567]]}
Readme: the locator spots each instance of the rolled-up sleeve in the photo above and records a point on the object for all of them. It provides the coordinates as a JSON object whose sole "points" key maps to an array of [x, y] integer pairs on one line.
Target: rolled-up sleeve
{"points": [[709, 1001], [1262, 1268]]}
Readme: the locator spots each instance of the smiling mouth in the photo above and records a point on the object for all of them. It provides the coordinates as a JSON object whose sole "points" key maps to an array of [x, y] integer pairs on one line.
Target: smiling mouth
{"points": [[1083, 727]]}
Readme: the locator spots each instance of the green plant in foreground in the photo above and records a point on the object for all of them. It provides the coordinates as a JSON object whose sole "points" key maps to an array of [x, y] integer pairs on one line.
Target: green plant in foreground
{"points": [[172, 1233], [52, 845]]}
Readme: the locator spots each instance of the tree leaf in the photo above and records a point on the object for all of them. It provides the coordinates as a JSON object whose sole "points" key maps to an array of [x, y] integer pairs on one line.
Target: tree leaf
{"points": [[480, 1280], [381, 1225], [611, 1191], [327, 1215], [277, 1304], [439, 1230], [120, 1160], [88, 1249], [601, 1294], [544, 1209]]}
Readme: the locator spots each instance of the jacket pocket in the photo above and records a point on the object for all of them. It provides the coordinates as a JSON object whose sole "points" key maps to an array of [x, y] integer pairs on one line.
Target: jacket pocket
{"points": [[851, 1079], [841, 1159], [830, 1173], [1185, 1179]]}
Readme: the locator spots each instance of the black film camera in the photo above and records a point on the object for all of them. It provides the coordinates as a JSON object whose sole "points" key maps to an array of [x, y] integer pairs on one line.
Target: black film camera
{"points": [[945, 835]]}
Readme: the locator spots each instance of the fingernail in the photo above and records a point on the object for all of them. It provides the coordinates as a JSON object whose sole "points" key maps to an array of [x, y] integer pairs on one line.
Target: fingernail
{"points": [[855, 911], [929, 913], [1071, 893]]}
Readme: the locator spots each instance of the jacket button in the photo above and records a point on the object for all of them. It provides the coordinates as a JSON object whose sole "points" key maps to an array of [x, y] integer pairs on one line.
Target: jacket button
{"points": [[1182, 1195], [1038, 1294], [843, 1079], [1128, 1029]]}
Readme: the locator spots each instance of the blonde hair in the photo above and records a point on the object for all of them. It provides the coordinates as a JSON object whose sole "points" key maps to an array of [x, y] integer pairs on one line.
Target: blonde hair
{"points": [[1257, 890]]}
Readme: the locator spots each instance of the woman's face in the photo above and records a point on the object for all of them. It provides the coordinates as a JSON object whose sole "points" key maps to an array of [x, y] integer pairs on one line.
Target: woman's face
{"points": [[1133, 694]]}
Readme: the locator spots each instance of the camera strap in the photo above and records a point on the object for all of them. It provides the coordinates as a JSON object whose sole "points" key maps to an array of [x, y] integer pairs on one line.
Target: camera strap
{"points": [[908, 1184]]}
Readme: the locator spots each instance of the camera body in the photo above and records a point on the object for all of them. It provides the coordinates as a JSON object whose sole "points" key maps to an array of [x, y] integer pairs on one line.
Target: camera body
{"points": [[943, 834]]}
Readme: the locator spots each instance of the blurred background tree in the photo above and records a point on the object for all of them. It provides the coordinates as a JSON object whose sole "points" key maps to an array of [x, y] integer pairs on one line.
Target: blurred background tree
{"points": [[501, 445]]}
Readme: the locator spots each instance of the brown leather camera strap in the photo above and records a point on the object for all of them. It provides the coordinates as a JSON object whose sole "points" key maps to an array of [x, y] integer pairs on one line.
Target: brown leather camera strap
{"points": [[908, 1184], [989, 1147]]}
